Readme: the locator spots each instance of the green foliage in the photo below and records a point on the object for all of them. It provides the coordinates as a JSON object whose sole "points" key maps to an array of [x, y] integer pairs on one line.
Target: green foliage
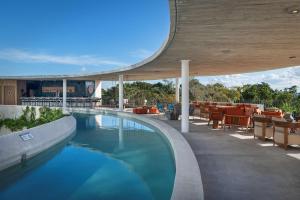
{"points": [[287, 99], [257, 93], [48, 115], [138, 92], [13, 124], [212, 92], [287, 107], [28, 118], [32, 114], [296, 104]]}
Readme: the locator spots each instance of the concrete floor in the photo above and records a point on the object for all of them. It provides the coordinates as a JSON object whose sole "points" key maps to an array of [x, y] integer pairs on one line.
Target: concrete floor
{"points": [[235, 166]]}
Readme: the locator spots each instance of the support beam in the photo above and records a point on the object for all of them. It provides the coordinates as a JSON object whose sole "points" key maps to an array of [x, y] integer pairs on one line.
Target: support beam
{"points": [[177, 93], [121, 92], [64, 95], [98, 91], [185, 105]]}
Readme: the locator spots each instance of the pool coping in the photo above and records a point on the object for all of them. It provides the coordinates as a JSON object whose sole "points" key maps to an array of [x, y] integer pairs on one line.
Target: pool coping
{"points": [[188, 183], [15, 148]]}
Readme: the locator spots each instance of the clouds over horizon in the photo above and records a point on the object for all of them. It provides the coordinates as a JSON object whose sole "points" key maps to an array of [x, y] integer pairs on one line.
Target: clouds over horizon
{"points": [[279, 78], [19, 56]]}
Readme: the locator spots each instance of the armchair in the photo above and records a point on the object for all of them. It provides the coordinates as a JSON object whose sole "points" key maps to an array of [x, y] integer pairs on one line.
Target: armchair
{"points": [[286, 133]]}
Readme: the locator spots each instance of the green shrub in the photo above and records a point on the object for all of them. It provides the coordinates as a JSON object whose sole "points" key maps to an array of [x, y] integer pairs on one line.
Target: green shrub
{"points": [[13, 124], [287, 107], [28, 118]]}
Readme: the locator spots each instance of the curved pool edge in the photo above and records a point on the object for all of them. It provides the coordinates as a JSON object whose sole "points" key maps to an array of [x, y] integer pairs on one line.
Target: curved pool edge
{"points": [[188, 182], [13, 147]]}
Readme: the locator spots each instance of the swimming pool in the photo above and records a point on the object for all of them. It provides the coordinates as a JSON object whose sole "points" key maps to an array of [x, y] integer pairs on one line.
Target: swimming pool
{"points": [[109, 157]]}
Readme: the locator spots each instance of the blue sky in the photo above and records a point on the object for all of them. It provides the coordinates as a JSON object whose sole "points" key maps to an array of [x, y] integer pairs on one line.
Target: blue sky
{"points": [[71, 36], [80, 36]]}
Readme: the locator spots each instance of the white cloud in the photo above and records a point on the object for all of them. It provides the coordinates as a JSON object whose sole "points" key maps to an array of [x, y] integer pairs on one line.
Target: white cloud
{"points": [[279, 79], [141, 53], [17, 55]]}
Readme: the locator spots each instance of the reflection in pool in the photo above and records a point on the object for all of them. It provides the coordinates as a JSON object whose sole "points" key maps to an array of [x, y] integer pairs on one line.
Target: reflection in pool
{"points": [[108, 158]]}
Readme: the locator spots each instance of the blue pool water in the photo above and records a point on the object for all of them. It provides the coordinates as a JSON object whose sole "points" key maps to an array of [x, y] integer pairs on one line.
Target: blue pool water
{"points": [[107, 158]]}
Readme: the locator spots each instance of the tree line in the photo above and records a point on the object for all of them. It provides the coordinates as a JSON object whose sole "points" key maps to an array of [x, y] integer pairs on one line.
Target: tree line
{"points": [[136, 92]]}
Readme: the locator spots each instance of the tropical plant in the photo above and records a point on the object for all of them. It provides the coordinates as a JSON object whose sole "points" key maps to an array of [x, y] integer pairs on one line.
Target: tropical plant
{"points": [[287, 107], [28, 118]]}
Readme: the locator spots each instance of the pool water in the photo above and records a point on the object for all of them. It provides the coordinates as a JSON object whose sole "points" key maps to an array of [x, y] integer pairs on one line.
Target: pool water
{"points": [[107, 158]]}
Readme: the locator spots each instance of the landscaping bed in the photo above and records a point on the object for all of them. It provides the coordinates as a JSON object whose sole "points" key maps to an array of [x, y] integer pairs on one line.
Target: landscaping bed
{"points": [[30, 117]]}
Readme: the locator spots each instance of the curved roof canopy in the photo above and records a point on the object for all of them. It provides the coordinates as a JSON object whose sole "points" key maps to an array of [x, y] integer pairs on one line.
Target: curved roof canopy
{"points": [[219, 37]]}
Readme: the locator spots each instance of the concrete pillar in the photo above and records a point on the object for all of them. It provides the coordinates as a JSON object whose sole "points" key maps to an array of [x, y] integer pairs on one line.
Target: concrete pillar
{"points": [[185, 72], [98, 90], [64, 94], [121, 135], [177, 87], [121, 92]]}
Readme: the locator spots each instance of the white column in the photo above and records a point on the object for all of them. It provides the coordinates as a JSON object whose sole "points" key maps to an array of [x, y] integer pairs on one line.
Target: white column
{"points": [[64, 94], [177, 90], [121, 138], [185, 73], [98, 90], [121, 92]]}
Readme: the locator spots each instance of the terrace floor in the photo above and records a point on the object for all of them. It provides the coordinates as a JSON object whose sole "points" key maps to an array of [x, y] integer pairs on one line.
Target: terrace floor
{"points": [[234, 165]]}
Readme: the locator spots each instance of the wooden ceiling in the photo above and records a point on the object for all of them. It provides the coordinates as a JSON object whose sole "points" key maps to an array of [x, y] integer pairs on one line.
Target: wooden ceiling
{"points": [[221, 37]]}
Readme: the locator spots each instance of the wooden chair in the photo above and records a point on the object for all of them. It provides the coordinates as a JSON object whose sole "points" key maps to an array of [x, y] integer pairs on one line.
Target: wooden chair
{"points": [[236, 117], [286, 133], [204, 111], [216, 115], [272, 113], [263, 127]]}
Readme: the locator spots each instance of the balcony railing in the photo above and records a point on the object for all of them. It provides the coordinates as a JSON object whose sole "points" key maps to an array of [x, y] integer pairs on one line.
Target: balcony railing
{"points": [[58, 101]]}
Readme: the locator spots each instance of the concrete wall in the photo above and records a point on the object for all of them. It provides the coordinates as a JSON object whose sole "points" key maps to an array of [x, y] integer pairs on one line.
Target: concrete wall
{"points": [[13, 147]]}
